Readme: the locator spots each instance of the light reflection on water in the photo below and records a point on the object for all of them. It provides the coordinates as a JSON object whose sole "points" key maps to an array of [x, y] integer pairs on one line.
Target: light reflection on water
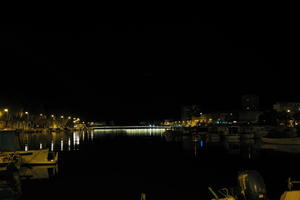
{"points": [[54, 141], [70, 141], [132, 132]]}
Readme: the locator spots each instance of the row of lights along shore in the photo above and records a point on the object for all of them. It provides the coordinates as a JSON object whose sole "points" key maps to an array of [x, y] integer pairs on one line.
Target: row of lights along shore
{"points": [[75, 120]]}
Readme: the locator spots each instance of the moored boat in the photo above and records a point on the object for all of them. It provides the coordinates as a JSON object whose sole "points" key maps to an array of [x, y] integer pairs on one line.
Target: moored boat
{"points": [[10, 148], [38, 157], [285, 141], [232, 137], [246, 136]]}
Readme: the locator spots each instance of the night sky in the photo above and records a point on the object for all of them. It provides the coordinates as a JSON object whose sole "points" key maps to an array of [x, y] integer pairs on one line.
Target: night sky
{"points": [[134, 72]]}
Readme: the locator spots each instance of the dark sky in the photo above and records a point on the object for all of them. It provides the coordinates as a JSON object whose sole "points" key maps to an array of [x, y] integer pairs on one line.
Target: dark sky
{"points": [[133, 72]]}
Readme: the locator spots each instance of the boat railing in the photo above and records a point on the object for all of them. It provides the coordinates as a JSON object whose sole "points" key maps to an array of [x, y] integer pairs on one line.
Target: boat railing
{"points": [[291, 183], [224, 192]]}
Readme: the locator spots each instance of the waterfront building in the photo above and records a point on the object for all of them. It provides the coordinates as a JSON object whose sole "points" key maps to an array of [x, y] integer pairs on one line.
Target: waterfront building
{"points": [[187, 112], [290, 107], [249, 116], [250, 102]]}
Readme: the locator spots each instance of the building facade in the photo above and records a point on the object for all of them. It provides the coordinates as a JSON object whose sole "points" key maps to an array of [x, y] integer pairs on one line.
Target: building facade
{"points": [[287, 107], [250, 102]]}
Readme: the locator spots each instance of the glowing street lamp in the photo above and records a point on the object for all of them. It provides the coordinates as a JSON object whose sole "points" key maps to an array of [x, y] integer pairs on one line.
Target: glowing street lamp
{"points": [[6, 110], [26, 113]]}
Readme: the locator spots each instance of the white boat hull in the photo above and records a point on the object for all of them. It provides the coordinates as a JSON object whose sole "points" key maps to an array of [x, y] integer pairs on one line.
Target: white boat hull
{"points": [[37, 157], [285, 141]]}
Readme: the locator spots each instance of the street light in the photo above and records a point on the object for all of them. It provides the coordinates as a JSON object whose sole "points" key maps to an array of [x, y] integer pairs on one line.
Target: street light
{"points": [[7, 117]]}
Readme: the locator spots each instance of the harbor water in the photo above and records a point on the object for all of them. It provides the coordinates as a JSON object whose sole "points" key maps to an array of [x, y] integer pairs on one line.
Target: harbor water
{"points": [[123, 163]]}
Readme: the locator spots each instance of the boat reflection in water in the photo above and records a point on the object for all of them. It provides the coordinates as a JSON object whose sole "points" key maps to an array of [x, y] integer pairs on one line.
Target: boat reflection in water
{"points": [[38, 172], [247, 149], [294, 149], [11, 180], [10, 184]]}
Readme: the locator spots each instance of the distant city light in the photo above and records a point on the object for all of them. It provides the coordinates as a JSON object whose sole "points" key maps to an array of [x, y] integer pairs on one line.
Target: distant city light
{"points": [[26, 113], [288, 110], [5, 110]]}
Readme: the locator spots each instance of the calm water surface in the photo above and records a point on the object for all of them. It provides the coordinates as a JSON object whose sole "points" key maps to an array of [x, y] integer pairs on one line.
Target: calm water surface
{"points": [[120, 164]]}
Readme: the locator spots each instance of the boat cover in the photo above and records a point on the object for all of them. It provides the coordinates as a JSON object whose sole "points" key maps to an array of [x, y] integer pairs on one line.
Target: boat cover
{"points": [[290, 195]]}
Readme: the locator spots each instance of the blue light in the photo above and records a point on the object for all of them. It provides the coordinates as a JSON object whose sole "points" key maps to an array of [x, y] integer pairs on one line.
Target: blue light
{"points": [[201, 143]]}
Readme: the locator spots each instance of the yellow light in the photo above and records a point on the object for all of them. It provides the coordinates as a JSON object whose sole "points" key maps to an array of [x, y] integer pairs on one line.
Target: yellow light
{"points": [[52, 116], [62, 117], [288, 110], [5, 110], [26, 113]]}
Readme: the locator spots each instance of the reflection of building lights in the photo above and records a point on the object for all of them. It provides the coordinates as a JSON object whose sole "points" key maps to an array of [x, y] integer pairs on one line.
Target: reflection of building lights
{"points": [[41, 145], [74, 140], [52, 145], [26, 147], [61, 145], [201, 143], [69, 144]]}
